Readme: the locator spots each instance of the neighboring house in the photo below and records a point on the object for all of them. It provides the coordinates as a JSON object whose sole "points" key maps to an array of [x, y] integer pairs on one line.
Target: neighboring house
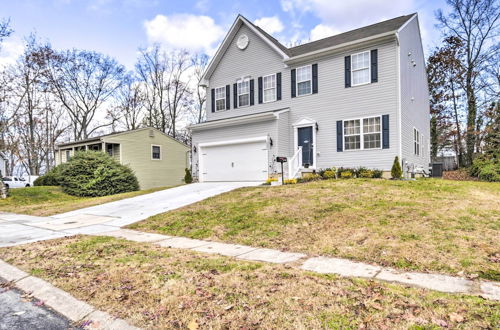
{"points": [[358, 98], [157, 159], [3, 165]]}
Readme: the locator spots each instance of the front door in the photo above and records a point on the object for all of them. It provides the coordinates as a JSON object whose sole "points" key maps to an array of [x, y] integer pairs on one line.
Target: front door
{"points": [[305, 140]]}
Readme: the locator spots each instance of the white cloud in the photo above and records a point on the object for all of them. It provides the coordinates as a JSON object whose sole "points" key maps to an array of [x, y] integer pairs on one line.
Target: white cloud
{"points": [[340, 16], [202, 5], [185, 31], [10, 51], [321, 31], [270, 24]]}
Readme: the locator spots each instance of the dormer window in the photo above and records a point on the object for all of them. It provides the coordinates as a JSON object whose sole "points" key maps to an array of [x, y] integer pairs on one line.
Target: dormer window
{"points": [[360, 68], [220, 98], [269, 88], [304, 80], [243, 92]]}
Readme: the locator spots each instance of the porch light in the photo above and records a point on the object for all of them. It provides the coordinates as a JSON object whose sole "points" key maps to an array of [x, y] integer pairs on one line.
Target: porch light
{"points": [[271, 141], [194, 149], [317, 127]]}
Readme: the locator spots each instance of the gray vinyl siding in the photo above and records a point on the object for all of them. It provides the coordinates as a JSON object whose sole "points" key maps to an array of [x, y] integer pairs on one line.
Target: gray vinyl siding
{"points": [[413, 84], [333, 101], [336, 102], [257, 60]]}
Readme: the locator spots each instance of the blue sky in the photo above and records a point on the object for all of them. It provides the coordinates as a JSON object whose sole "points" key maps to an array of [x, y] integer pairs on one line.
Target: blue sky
{"points": [[119, 27]]}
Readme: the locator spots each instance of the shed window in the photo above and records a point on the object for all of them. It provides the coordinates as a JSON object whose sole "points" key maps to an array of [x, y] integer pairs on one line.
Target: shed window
{"points": [[156, 152]]}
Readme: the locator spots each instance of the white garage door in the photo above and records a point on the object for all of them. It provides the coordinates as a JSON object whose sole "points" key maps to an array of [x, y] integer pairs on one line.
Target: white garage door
{"points": [[234, 162]]}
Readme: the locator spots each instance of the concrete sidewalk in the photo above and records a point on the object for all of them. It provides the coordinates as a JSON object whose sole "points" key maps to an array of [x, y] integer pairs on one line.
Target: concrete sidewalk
{"points": [[20, 229], [324, 265]]}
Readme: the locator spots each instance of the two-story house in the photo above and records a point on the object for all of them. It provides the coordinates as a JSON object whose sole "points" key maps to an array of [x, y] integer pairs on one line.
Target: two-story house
{"points": [[359, 98]]}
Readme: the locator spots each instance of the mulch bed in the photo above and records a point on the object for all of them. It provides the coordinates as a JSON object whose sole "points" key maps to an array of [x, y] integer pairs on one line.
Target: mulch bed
{"points": [[458, 175]]}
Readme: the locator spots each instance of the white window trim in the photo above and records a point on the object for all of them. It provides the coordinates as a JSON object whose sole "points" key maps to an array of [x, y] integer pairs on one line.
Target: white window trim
{"points": [[362, 133], [305, 123], [297, 80], [275, 88], [238, 82], [159, 146], [218, 99], [369, 69], [416, 140]]}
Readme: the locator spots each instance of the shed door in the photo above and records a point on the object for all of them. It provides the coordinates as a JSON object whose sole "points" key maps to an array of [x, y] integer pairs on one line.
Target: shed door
{"points": [[234, 162]]}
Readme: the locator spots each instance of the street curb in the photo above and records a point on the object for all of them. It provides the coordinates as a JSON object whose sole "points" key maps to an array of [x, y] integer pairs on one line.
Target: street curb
{"points": [[61, 301]]}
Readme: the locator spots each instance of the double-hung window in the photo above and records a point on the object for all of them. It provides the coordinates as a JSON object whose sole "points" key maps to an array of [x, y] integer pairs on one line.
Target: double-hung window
{"points": [[304, 80], [360, 68], [156, 152], [352, 134], [269, 83], [220, 98], [362, 134], [371, 133], [416, 142], [243, 92]]}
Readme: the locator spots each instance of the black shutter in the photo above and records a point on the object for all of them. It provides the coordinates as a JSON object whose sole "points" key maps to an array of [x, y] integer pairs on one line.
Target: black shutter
{"points": [[235, 95], [294, 82], [278, 86], [259, 83], [347, 67], [385, 131], [374, 64], [315, 78], [228, 97], [213, 99], [252, 92], [339, 136]]}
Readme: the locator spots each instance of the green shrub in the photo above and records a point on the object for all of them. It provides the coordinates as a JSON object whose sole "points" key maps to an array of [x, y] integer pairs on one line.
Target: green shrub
{"points": [[91, 173], [377, 174], [329, 174], [346, 175], [51, 178], [188, 178], [486, 169], [365, 173], [396, 171]]}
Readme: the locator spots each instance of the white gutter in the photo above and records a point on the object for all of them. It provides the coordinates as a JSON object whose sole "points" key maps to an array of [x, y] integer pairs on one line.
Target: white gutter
{"points": [[237, 120]]}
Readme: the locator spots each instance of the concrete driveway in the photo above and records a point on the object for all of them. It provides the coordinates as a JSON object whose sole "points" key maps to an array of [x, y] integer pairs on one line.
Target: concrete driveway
{"points": [[19, 229]]}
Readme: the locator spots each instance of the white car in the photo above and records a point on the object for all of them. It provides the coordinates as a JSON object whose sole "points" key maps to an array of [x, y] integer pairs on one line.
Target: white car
{"points": [[16, 182]]}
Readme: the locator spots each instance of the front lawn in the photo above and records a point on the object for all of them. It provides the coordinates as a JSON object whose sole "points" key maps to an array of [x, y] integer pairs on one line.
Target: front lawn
{"points": [[157, 288], [46, 201], [426, 225]]}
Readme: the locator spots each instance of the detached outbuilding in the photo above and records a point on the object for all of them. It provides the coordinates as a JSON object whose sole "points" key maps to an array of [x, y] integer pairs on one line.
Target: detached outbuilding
{"points": [[157, 159]]}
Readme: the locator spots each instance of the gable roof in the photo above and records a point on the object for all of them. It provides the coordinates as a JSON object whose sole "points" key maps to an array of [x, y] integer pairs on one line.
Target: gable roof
{"points": [[391, 25], [388, 26], [100, 137]]}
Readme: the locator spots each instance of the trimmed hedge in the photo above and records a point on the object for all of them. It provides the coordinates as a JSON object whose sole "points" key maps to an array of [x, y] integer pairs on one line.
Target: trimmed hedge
{"points": [[396, 171], [94, 173], [486, 169]]}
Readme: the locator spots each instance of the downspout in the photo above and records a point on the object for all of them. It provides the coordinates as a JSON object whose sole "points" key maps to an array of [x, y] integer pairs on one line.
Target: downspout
{"points": [[400, 120]]}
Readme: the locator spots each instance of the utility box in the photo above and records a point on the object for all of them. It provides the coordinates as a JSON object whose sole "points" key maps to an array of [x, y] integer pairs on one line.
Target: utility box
{"points": [[437, 170]]}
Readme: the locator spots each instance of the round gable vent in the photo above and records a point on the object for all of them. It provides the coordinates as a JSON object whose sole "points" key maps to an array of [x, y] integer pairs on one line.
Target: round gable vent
{"points": [[242, 41]]}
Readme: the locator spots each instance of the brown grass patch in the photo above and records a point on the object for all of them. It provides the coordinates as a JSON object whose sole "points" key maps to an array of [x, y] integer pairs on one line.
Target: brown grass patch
{"points": [[155, 287]]}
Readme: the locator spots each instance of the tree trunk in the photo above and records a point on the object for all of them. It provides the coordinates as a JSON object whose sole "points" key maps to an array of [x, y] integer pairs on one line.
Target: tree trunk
{"points": [[459, 149], [3, 190], [471, 119]]}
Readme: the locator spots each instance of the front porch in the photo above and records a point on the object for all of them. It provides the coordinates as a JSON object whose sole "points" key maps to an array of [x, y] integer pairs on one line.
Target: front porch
{"points": [[66, 152]]}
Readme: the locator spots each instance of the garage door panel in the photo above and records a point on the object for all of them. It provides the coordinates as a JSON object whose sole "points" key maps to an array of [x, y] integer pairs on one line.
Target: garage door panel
{"points": [[235, 162]]}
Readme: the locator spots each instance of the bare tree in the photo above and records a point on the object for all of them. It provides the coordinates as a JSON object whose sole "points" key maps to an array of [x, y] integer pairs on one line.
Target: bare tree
{"points": [[200, 95], [475, 23], [129, 109], [84, 81], [164, 79]]}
